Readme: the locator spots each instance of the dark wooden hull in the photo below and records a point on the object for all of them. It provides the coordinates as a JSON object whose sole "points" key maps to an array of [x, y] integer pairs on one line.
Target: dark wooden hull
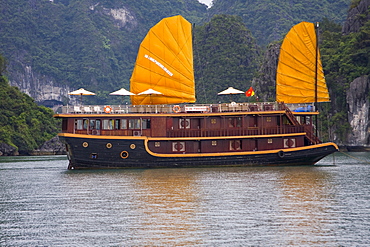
{"points": [[115, 152]]}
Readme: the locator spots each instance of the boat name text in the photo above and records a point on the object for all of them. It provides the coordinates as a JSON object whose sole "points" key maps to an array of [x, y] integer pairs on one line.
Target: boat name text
{"points": [[159, 64]]}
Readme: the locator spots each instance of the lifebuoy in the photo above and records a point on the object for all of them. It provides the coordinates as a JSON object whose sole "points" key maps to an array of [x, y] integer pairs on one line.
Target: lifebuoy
{"points": [[176, 109], [281, 154], [107, 109]]}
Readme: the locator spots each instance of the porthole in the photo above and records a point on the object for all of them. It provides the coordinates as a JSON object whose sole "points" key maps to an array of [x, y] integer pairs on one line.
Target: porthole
{"points": [[124, 155], [132, 146], [109, 145], [85, 144]]}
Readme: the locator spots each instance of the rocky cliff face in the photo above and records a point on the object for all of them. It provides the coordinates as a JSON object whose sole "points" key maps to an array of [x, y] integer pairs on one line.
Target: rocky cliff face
{"points": [[265, 82], [39, 87], [45, 89], [357, 16], [358, 111]]}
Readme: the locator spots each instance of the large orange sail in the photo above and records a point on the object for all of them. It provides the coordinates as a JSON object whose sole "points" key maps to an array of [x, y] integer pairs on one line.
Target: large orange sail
{"points": [[296, 72], [165, 64]]}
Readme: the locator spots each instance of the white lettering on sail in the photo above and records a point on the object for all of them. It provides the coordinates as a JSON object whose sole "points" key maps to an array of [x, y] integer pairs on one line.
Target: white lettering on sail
{"points": [[159, 64]]}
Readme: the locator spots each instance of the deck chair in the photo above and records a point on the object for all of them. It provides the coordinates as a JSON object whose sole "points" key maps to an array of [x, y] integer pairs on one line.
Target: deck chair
{"points": [[87, 109], [77, 109], [97, 109]]}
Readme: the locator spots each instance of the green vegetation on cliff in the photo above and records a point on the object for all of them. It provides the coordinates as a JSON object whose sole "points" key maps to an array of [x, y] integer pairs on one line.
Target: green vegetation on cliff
{"points": [[226, 55], [23, 124], [269, 20], [345, 58], [81, 43]]}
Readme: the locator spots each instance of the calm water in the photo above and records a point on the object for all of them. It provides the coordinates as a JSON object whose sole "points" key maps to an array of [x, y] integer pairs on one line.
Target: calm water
{"points": [[44, 204]]}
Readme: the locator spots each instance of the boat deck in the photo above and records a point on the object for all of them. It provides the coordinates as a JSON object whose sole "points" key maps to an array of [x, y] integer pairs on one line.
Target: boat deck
{"points": [[188, 108]]}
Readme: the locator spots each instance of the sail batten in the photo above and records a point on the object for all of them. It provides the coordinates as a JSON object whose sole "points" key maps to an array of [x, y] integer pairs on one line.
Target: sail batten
{"points": [[296, 74], [165, 64]]}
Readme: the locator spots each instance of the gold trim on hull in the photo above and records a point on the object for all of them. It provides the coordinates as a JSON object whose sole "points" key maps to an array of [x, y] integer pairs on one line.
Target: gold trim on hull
{"points": [[147, 139], [285, 150]]}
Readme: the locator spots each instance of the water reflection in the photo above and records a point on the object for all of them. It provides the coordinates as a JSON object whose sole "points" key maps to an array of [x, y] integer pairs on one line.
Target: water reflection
{"points": [[167, 201], [305, 206]]}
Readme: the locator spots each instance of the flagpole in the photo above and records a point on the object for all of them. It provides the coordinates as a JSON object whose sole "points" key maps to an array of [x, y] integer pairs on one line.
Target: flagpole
{"points": [[316, 68]]}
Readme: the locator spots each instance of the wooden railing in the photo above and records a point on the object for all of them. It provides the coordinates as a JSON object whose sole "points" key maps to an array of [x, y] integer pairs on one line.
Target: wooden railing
{"points": [[183, 108], [236, 132]]}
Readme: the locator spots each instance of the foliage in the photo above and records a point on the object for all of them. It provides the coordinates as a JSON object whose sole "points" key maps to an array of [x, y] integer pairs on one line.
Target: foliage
{"points": [[78, 42], [344, 57], [2, 65], [269, 20], [23, 124], [225, 55]]}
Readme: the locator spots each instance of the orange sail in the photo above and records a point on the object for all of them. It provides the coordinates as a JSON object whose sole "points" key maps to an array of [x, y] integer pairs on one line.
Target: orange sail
{"points": [[165, 64], [295, 77]]}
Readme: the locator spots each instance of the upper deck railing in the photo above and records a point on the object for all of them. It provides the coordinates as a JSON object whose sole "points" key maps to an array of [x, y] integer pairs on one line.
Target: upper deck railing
{"points": [[183, 108]]}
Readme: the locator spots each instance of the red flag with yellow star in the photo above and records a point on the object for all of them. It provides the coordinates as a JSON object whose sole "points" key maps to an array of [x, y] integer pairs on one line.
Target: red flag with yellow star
{"points": [[250, 92]]}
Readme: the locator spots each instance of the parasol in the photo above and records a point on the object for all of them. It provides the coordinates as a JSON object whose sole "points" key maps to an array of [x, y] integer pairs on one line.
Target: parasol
{"points": [[123, 92], [231, 91], [81, 92], [149, 92]]}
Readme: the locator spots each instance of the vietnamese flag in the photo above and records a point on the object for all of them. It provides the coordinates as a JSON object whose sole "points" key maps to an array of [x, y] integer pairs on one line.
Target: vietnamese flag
{"points": [[250, 92]]}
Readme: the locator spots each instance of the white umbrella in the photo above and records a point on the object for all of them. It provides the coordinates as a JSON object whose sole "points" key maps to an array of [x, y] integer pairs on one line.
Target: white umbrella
{"points": [[231, 91], [149, 91], [122, 92], [81, 92]]}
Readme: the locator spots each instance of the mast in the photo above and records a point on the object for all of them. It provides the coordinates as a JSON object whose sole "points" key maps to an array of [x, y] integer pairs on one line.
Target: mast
{"points": [[316, 68]]}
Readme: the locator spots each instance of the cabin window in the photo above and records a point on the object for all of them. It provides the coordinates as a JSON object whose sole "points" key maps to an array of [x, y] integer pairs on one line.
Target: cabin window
{"points": [[117, 124], [124, 124], [146, 124], [108, 124], [98, 124], [134, 124], [92, 124], [79, 124], [86, 123]]}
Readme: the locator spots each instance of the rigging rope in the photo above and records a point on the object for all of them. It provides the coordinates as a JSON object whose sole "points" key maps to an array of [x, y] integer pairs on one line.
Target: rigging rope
{"points": [[364, 161]]}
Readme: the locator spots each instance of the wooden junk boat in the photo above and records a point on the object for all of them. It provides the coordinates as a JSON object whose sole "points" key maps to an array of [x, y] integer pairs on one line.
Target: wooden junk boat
{"points": [[162, 128]]}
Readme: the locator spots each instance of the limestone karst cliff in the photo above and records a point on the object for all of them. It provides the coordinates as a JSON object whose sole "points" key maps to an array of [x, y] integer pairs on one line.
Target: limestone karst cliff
{"points": [[358, 15], [359, 111]]}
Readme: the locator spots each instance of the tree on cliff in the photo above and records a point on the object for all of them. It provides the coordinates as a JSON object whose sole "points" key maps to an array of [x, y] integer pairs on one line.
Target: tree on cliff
{"points": [[225, 55], [2, 65], [23, 124]]}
